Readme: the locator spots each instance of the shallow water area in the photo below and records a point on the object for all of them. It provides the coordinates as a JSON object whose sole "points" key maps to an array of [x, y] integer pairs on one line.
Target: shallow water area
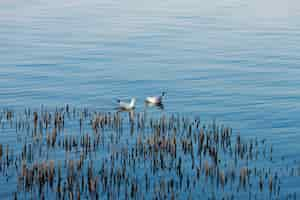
{"points": [[81, 153]]}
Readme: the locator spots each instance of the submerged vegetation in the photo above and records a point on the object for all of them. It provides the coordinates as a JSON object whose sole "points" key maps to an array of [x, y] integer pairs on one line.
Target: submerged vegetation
{"points": [[74, 153]]}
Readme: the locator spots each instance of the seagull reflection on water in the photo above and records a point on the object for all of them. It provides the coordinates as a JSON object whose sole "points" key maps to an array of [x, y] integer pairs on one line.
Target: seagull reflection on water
{"points": [[129, 111], [160, 106]]}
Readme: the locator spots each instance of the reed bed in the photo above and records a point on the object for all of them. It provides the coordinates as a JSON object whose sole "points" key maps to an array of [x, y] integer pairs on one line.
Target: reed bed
{"points": [[71, 153]]}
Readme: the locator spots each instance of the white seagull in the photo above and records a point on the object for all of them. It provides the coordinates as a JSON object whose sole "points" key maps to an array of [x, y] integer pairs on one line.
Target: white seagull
{"points": [[127, 106], [155, 99]]}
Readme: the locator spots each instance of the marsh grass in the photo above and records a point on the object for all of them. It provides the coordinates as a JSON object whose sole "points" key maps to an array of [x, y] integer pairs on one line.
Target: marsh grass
{"points": [[74, 153]]}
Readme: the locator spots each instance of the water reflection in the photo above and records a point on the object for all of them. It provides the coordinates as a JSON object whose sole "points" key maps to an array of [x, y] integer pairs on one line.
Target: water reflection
{"points": [[159, 106], [129, 111]]}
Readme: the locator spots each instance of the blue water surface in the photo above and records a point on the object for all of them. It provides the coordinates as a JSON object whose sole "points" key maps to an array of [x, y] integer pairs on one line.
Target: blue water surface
{"points": [[231, 60]]}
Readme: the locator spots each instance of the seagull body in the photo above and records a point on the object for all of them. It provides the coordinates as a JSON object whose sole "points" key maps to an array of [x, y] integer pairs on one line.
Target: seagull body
{"points": [[127, 106], [155, 99]]}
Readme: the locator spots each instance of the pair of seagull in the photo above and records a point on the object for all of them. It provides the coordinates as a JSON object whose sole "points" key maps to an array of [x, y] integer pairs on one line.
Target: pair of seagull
{"points": [[156, 100]]}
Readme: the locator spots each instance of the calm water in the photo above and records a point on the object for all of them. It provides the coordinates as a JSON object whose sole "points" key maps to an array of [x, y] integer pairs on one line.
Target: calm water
{"points": [[230, 60]]}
